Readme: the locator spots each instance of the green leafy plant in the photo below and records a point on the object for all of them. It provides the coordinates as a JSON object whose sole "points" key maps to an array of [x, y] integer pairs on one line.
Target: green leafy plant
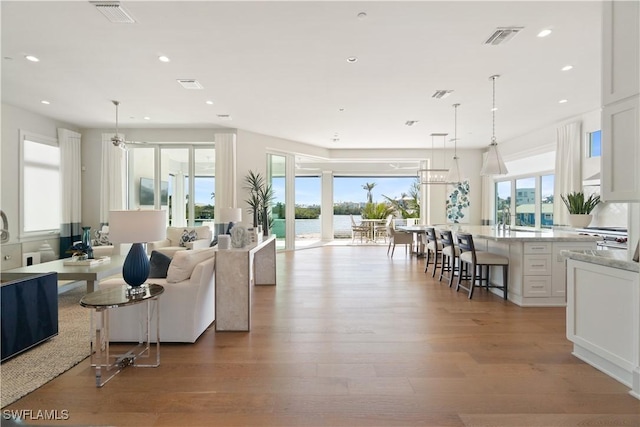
{"points": [[376, 211], [260, 197], [577, 204]]}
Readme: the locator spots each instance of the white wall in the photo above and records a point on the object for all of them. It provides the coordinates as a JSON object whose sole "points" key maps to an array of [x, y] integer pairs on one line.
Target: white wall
{"points": [[14, 119]]}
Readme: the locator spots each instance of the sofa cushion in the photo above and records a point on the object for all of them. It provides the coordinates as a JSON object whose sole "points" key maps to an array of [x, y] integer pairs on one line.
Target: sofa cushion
{"points": [[184, 262], [158, 265], [188, 236]]}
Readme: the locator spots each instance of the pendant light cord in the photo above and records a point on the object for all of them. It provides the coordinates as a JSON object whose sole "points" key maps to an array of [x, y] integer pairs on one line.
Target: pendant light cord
{"points": [[493, 111], [455, 130]]}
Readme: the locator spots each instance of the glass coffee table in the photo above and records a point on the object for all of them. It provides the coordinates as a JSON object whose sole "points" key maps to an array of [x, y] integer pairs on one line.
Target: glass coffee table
{"points": [[142, 355]]}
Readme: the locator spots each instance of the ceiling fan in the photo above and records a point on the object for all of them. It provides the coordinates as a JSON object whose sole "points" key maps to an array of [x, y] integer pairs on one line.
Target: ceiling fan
{"points": [[116, 139]]}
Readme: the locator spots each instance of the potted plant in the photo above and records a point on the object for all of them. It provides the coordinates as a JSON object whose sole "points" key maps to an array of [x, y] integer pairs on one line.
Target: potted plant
{"points": [[580, 207], [260, 197]]}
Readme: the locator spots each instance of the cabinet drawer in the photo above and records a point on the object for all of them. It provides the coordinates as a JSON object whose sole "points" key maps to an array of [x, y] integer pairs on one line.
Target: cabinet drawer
{"points": [[537, 265], [537, 248], [537, 286]]}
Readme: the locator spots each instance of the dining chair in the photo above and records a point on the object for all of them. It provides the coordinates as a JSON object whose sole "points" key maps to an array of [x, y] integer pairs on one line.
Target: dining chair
{"points": [[433, 248], [475, 265], [398, 238], [449, 254]]}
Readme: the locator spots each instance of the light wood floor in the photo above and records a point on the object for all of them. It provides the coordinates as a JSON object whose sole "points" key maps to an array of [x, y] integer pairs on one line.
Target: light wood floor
{"points": [[350, 337]]}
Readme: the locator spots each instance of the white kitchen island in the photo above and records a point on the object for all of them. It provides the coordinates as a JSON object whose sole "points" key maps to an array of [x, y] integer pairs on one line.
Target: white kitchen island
{"points": [[537, 275], [603, 313]]}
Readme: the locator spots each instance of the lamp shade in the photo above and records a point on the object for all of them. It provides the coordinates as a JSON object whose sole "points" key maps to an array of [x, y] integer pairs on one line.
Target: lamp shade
{"points": [[140, 226], [230, 215], [493, 163], [454, 176]]}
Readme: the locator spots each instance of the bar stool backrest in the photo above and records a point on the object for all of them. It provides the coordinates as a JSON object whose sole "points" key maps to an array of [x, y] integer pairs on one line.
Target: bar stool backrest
{"points": [[431, 234], [465, 243], [446, 237]]}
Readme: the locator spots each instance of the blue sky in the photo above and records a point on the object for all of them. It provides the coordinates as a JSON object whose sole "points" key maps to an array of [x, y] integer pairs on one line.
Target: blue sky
{"points": [[346, 189]]}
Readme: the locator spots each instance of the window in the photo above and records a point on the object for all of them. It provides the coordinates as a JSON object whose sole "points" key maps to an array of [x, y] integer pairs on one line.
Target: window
{"points": [[528, 200], [40, 184], [594, 144]]}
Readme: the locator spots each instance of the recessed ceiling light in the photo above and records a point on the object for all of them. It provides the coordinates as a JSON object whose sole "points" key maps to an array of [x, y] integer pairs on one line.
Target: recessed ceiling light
{"points": [[494, 109], [563, 101], [352, 59], [341, 110], [147, 118], [163, 58], [45, 102], [209, 102], [31, 58], [567, 67], [544, 33]]}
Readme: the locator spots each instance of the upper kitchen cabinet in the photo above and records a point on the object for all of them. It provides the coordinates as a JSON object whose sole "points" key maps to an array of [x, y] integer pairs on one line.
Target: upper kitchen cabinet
{"points": [[621, 101], [620, 50]]}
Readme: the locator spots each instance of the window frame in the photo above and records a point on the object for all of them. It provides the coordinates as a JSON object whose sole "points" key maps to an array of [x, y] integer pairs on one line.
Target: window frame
{"points": [[38, 139], [538, 196]]}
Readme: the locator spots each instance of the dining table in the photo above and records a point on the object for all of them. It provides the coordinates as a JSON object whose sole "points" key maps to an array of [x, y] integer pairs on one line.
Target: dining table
{"points": [[371, 224]]}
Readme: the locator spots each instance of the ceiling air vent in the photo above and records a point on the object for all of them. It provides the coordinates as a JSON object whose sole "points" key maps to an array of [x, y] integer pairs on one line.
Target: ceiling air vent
{"points": [[502, 35], [410, 122], [114, 12], [439, 94], [190, 84], [224, 117]]}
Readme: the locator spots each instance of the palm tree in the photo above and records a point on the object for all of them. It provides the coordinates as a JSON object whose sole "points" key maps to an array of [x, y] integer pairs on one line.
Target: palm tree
{"points": [[369, 186]]}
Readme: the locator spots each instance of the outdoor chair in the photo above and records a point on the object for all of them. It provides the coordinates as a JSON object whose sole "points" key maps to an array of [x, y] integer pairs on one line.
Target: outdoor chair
{"points": [[358, 230]]}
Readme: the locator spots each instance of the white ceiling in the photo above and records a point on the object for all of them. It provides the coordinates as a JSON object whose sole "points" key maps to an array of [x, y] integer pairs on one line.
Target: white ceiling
{"points": [[280, 68]]}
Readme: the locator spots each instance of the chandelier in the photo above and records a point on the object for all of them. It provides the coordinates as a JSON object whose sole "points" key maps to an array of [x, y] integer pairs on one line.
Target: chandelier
{"points": [[432, 175]]}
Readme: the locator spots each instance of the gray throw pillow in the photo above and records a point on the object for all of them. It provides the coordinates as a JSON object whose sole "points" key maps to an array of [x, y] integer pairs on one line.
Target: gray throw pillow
{"points": [[158, 265]]}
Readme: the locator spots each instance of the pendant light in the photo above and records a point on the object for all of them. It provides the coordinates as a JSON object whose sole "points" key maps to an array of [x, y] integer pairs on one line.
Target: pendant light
{"points": [[432, 175], [454, 176], [493, 163]]}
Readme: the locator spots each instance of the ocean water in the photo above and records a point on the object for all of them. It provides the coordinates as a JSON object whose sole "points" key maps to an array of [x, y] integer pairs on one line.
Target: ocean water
{"points": [[341, 225]]}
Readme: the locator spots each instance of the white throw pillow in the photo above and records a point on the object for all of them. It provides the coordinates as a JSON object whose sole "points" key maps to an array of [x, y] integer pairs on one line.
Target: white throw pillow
{"points": [[184, 262]]}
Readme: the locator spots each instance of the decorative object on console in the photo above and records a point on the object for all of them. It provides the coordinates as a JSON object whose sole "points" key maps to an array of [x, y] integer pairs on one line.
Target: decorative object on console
{"points": [[493, 163], [230, 216], [580, 208], [136, 227], [79, 251], [239, 237], [46, 252]]}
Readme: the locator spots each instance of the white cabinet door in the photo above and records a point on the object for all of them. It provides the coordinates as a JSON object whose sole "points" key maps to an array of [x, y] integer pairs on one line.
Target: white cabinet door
{"points": [[620, 50], [621, 151]]}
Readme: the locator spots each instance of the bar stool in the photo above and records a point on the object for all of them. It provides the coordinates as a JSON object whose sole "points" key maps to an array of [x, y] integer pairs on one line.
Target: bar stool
{"points": [[433, 247], [479, 262], [450, 253]]}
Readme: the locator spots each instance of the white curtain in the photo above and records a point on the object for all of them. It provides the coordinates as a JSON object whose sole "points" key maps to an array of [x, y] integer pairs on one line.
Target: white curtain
{"points": [[112, 179], [568, 171], [226, 193], [71, 183]]}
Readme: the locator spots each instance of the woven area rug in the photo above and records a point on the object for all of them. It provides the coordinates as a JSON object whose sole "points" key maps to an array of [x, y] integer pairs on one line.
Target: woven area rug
{"points": [[34, 368]]}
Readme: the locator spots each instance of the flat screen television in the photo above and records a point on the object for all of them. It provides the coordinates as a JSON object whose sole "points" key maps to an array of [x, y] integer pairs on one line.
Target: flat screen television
{"points": [[146, 192]]}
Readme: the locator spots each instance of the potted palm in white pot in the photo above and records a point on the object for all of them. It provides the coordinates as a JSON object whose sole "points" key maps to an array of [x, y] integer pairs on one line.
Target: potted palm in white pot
{"points": [[580, 207]]}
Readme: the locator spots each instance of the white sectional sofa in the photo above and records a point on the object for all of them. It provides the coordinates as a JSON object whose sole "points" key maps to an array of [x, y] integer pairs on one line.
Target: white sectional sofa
{"points": [[187, 306]]}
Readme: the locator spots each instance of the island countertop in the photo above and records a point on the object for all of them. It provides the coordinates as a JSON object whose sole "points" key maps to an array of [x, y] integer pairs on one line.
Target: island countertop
{"points": [[519, 234], [615, 258]]}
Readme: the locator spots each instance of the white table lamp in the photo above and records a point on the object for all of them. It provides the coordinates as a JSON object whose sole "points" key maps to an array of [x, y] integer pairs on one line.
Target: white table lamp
{"points": [[137, 227]]}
